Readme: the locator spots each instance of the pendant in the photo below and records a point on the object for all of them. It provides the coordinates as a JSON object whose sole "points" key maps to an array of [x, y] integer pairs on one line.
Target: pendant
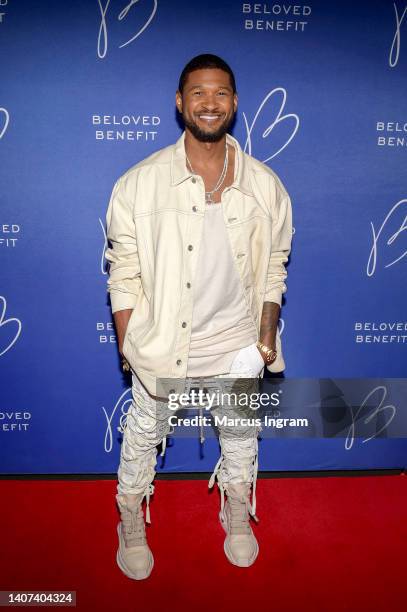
{"points": [[208, 198]]}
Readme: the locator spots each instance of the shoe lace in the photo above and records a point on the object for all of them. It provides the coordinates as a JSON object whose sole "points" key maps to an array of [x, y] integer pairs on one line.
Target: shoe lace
{"points": [[239, 516], [134, 528]]}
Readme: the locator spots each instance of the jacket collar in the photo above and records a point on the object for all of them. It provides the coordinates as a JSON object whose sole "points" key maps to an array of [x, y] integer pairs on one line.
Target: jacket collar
{"points": [[180, 172]]}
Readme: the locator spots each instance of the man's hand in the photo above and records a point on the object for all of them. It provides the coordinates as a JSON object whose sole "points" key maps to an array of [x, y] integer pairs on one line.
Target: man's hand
{"points": [[121, 320]]}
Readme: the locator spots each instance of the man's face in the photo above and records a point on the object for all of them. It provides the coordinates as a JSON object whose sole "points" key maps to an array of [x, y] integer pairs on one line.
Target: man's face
{"points": [[207, 104]]}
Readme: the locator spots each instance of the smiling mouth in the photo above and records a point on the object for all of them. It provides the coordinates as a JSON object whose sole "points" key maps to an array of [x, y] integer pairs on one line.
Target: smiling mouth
{"points": [[209, 118]]}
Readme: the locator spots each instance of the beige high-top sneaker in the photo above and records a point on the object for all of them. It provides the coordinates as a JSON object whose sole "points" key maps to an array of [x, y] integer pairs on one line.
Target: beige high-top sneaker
{"points": [[241, 547], [134, 557]]}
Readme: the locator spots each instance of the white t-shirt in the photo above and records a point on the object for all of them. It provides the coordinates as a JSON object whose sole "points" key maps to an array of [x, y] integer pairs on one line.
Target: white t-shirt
{"points": [[221, 324]]}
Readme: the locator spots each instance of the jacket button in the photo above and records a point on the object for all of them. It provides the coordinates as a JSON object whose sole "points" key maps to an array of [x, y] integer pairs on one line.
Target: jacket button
{"points": [[184, 324], [179, 362], [193, 180], [188, 285], [195, 208], [190, 247]]}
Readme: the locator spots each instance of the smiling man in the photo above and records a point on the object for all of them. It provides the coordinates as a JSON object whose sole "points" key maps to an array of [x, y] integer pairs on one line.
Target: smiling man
{"points": [[200, 233]]}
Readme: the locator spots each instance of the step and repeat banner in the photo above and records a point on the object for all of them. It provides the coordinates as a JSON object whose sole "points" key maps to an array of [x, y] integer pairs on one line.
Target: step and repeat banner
{"points": [[87, 89]]}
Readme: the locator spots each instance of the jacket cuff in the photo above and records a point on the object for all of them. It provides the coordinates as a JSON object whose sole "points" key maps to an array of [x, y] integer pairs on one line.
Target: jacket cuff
{"points": [[121, 301], [273, 296]]}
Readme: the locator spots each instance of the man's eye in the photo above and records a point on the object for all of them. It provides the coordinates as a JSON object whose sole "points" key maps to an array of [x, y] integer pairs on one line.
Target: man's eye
{"points": [[197, 93]]}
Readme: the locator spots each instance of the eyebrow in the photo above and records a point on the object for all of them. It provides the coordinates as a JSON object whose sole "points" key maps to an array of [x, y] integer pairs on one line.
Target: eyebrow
{"points": [[221, 87]]}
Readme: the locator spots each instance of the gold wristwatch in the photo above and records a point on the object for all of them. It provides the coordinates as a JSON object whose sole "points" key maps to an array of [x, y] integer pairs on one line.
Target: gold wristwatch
{"points": [[269, 353], [125, 365]]}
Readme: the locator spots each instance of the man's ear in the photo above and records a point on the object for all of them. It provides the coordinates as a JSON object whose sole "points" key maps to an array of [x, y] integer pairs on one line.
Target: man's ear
{"points": [[178, 101], [235, 100]]}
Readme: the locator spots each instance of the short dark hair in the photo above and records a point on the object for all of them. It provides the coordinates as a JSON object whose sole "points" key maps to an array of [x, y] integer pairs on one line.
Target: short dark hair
{"points": [[206, 60]]}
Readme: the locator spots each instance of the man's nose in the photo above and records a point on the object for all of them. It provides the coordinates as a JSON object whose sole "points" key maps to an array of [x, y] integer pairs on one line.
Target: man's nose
{"points": [[210, 101]]}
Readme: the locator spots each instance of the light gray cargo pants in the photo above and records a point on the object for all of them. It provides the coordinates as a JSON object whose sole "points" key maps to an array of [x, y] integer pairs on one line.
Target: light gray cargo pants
{"points": [[146, 426]]}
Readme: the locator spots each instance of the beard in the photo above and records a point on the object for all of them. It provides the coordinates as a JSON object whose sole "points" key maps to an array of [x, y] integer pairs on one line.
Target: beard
{"points": [[204, 136]]}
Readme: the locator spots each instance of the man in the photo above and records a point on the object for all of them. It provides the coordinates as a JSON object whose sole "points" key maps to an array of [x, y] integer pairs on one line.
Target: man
{"points": [[200, 233]]}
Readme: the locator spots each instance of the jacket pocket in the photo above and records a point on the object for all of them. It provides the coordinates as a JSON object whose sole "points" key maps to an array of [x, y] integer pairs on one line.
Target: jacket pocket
{"points": [[138, 322]]}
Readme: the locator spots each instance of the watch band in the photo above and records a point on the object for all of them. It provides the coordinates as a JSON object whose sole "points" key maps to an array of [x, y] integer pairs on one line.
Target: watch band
{"points": [[269, 353]]}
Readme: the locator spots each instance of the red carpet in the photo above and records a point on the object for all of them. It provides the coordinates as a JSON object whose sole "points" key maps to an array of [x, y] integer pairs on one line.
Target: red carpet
{"points": [[326, 544]]}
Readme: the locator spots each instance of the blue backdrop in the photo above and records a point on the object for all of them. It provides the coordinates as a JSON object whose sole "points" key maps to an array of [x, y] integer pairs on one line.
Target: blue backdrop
{"points": [[87, 90]]}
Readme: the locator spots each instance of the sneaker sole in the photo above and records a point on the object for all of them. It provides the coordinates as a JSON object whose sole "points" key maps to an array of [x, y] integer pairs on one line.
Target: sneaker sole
{"points": [[228, 552], [139, 574]]}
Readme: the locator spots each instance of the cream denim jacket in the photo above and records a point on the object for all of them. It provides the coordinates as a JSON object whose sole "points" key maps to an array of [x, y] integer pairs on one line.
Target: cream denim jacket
{"points": [[154, 224]]}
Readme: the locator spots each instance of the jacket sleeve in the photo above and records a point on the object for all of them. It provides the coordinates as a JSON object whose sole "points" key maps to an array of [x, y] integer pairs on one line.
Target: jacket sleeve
{"points": [[124, 281], [281, 237]]}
